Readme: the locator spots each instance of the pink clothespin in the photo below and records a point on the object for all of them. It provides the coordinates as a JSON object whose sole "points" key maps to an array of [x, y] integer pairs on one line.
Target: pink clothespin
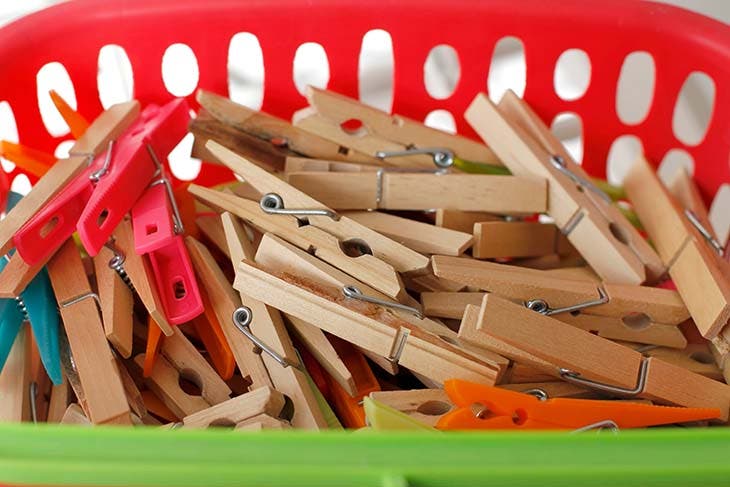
{"points": [[96, 201], [158, 232]]}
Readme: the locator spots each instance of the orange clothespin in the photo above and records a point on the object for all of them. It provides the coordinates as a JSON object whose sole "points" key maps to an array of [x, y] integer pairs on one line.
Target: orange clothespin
{"points": [[75, 121], [211, 334], [349, 408], [485, 407], [154, 343], [30, 160]]}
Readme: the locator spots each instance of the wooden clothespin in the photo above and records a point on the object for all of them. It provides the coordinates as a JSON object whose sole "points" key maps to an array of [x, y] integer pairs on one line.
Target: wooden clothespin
{"points": [[421, 237], [263, 138], [232, 412], [60, 395], [211, 333], [15, 380], [364, 324], [267, 331], [463, 221], [262, 422], [551, 295], [393, 139], [117, 302], [107, 127], [499, 239], [600, 232], [424, 405], [75, 415], [212, 229], [390, 190], [582, 358], [105, 401], [685, 246]]}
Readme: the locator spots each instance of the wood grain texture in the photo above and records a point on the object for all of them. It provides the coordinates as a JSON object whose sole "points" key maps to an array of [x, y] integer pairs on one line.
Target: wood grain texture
{"points": [[117, 304], [263, 400]]}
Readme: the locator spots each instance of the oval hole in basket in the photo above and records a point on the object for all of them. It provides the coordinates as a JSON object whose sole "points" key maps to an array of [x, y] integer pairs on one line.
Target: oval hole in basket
{"points": [[434, 408], [62, 149], [8, 131], [20, 184], [719, 214], [672, 162], [572, 74], [375, 70], [508, 69], [246, 70], [114, 78], [636, 321], [635, 88], [441, 71], [442, 120], [693, 109], [568, 128], [311, 67], [182, 165], [621, 156], [180, 70], [702, 358], [53, 76]]}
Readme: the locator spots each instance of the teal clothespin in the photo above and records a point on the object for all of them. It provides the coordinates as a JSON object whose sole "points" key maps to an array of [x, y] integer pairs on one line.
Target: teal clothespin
{"points": [[36, 305]]}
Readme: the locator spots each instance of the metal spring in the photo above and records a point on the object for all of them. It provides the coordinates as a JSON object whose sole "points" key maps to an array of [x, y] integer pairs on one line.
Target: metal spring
{"points": [[117, 263], [22, 307]]}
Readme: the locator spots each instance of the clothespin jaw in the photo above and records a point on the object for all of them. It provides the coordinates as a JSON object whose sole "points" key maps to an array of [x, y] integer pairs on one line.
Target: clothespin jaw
{"points": [[92, 203], [30, 160], [75, 121], [485, 407]]}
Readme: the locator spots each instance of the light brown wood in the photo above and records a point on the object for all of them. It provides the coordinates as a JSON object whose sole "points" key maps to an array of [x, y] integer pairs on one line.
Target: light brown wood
{"points": [[140, 273], [580, 273], [447, 304], [525, 373], [525, 145], [424, 405], [327, 247], [185, 358], [16, 275], [635, 329], [269, 327], [397, 128], [430, 283], [303, 164], [421, 237], [269, 128], [262, 422], [164, 382], [134, 396], [263, 400], [365, 325], [74, 415], [687, 194], [225, 301], [60, 396], [697, 271], [108, 126], [513, 239], [553, 389], [419, 191], [15, 381], [695, 357], [210, 226], [516, 283], [105, 399], [400, 257], [462, 221], [117, 304], [720, 349]]}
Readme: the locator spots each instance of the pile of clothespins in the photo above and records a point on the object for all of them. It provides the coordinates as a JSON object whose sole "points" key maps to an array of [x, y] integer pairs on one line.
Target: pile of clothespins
{"points": [[362, 269]]}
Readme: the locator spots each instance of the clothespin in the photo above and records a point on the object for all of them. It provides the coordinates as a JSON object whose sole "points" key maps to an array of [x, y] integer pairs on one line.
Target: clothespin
{"points": [[116, 298], [26, 158], [500, 239], [211, 334], [75, 121], [158, 230], [600, 232], [104, 395], [15, 381], [33, 305], [60, 395], [424, 405], [394, 139], [92, 203], [462, 221], [349, 407], [180, 360], [552, 295], [264, 400], [484, 407], [398, 190], [582, 358], [107, 127], [265, 139], [381, 417], [350, 315], [266, 330], [687, 248], [152, 346]]}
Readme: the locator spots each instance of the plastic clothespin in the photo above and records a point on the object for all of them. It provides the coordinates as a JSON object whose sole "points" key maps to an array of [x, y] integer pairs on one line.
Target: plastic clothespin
{"points": [[485, 407], [75, 121], [158, 232], [93, 203], [34, 305], [31, 160]]}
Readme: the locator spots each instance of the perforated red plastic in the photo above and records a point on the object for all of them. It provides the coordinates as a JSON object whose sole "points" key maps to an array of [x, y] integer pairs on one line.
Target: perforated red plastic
{"points": [[680, 42]]}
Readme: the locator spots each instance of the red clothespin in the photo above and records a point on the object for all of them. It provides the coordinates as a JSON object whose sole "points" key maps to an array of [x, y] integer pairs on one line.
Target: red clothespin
{"points": [[485, 407], [96, 201]]}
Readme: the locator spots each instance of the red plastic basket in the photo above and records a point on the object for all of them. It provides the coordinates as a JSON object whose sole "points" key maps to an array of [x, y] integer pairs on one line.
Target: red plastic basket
{"points": [[680, 43]]}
